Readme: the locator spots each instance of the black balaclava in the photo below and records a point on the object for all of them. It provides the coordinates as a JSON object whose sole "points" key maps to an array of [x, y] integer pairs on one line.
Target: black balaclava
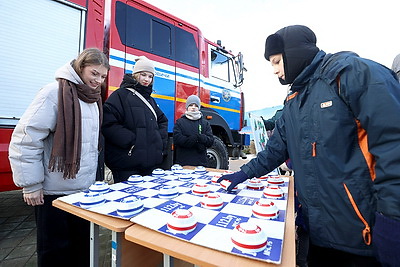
{"points": [[297, 43]]}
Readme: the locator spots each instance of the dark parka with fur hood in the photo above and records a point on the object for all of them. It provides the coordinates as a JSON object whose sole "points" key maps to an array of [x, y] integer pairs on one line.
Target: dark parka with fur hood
{"points": [[191, 140], [134, 138], [341, 129]]}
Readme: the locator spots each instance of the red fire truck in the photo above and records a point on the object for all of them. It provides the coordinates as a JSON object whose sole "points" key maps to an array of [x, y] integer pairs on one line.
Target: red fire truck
{"points": [[40, 36]]}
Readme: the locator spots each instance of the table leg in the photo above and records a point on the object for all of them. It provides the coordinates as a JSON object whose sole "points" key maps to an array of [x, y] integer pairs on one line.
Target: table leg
{"points": [[116, 249], [168, 260], [94, 245]]}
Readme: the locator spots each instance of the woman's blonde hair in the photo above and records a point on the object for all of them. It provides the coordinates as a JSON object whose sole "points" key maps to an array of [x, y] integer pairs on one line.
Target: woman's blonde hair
{"points": [[90, 56], [136, 77]]}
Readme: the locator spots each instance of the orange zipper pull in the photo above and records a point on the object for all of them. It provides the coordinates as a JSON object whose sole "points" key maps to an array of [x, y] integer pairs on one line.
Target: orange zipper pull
{"points": [[366, 233], [314, 149]]}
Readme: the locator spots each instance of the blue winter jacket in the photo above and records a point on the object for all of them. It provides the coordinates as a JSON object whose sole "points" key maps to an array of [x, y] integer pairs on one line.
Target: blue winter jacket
{"points": [[341, 129]]}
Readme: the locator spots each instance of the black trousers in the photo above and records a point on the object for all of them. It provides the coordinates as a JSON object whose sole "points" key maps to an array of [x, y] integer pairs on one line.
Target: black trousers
{"points": [[302, 246], [62, 238], [327, 257]]}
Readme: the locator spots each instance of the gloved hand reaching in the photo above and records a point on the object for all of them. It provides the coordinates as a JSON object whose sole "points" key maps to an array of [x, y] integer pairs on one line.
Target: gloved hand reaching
{"points": [[235, 178], [385, 237]]}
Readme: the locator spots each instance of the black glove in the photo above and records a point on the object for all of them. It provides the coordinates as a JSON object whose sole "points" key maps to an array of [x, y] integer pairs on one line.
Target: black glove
{"points": [[386, 240], [201, 147], [202, 138], [192, 139], [235, 178]]}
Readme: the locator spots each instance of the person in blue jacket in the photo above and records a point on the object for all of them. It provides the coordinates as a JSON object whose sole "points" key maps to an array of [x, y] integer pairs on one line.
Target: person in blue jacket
{"points": [[192, 135], [341, 129]]}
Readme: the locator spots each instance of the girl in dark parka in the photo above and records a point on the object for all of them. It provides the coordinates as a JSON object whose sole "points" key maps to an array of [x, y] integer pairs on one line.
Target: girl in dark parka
{"points": [[135, 137], [192, 135]]}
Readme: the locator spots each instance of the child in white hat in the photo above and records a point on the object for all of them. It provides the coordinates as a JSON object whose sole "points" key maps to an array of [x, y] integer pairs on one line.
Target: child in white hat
{"points": [[134, 127]]}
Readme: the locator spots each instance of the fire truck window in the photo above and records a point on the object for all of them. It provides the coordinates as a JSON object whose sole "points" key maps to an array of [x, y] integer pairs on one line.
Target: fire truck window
{"points": [[233, 72], [133, 26], [186, 48], [219, 66], [140, 30], [161, 39]]}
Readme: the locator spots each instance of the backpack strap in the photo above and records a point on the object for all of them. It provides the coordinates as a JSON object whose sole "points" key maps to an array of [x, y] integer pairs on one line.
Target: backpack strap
{"points": [[339, 93], [134, 92], [338, 83]]}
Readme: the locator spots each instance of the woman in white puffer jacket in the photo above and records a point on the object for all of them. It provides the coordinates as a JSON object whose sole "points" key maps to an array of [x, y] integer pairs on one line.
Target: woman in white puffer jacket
{"points": [[54, 152]]}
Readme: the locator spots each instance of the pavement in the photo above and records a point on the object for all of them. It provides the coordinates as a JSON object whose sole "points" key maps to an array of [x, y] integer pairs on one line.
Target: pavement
{"points": [[18, 229]]}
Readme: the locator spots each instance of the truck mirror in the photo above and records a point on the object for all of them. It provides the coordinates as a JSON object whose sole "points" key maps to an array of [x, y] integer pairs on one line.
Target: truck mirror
{"points": [[241, 68]]}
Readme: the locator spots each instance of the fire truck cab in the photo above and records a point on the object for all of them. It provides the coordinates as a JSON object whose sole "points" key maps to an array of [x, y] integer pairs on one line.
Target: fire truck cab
{"points": [[43, 35]]}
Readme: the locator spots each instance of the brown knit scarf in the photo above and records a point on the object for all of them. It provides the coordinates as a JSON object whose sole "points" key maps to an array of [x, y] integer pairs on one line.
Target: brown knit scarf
{"points": [[66, 152]]}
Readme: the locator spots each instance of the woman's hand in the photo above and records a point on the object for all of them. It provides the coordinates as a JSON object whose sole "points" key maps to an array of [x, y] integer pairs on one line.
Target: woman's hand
{"points": [[34, 198]]}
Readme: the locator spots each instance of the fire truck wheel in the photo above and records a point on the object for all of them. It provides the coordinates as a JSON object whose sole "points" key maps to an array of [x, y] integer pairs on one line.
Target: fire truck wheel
{"points": [[217, 155]]}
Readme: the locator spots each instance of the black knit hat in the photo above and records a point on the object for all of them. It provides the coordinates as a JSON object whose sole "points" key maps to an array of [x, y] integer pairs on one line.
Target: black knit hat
{"points": [[299, 49], [273, 45]]}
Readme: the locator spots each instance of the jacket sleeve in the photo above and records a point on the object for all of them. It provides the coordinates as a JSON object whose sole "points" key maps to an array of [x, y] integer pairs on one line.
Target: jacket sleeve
{"points": [[162, 121], [27, 142], [209, 137], [274, 154], [113, 128], [180, 139], [373, 94]]}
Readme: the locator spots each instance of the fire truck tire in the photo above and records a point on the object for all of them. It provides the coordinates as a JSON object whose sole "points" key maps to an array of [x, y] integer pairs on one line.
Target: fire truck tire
{"points": [[217, 155]]}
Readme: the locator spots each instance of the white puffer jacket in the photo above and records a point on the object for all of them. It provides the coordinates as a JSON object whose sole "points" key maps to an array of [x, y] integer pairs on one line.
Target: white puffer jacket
{"points": [[32, 140], [396, 66]]}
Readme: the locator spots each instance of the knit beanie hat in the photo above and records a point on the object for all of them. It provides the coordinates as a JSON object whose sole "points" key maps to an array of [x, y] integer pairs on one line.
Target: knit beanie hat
{"points": [[193, 99], [143, 64], [299, 47]]}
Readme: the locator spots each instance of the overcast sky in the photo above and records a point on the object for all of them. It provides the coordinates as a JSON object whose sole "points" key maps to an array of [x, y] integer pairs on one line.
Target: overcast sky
{"points": [[367, 27]]}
